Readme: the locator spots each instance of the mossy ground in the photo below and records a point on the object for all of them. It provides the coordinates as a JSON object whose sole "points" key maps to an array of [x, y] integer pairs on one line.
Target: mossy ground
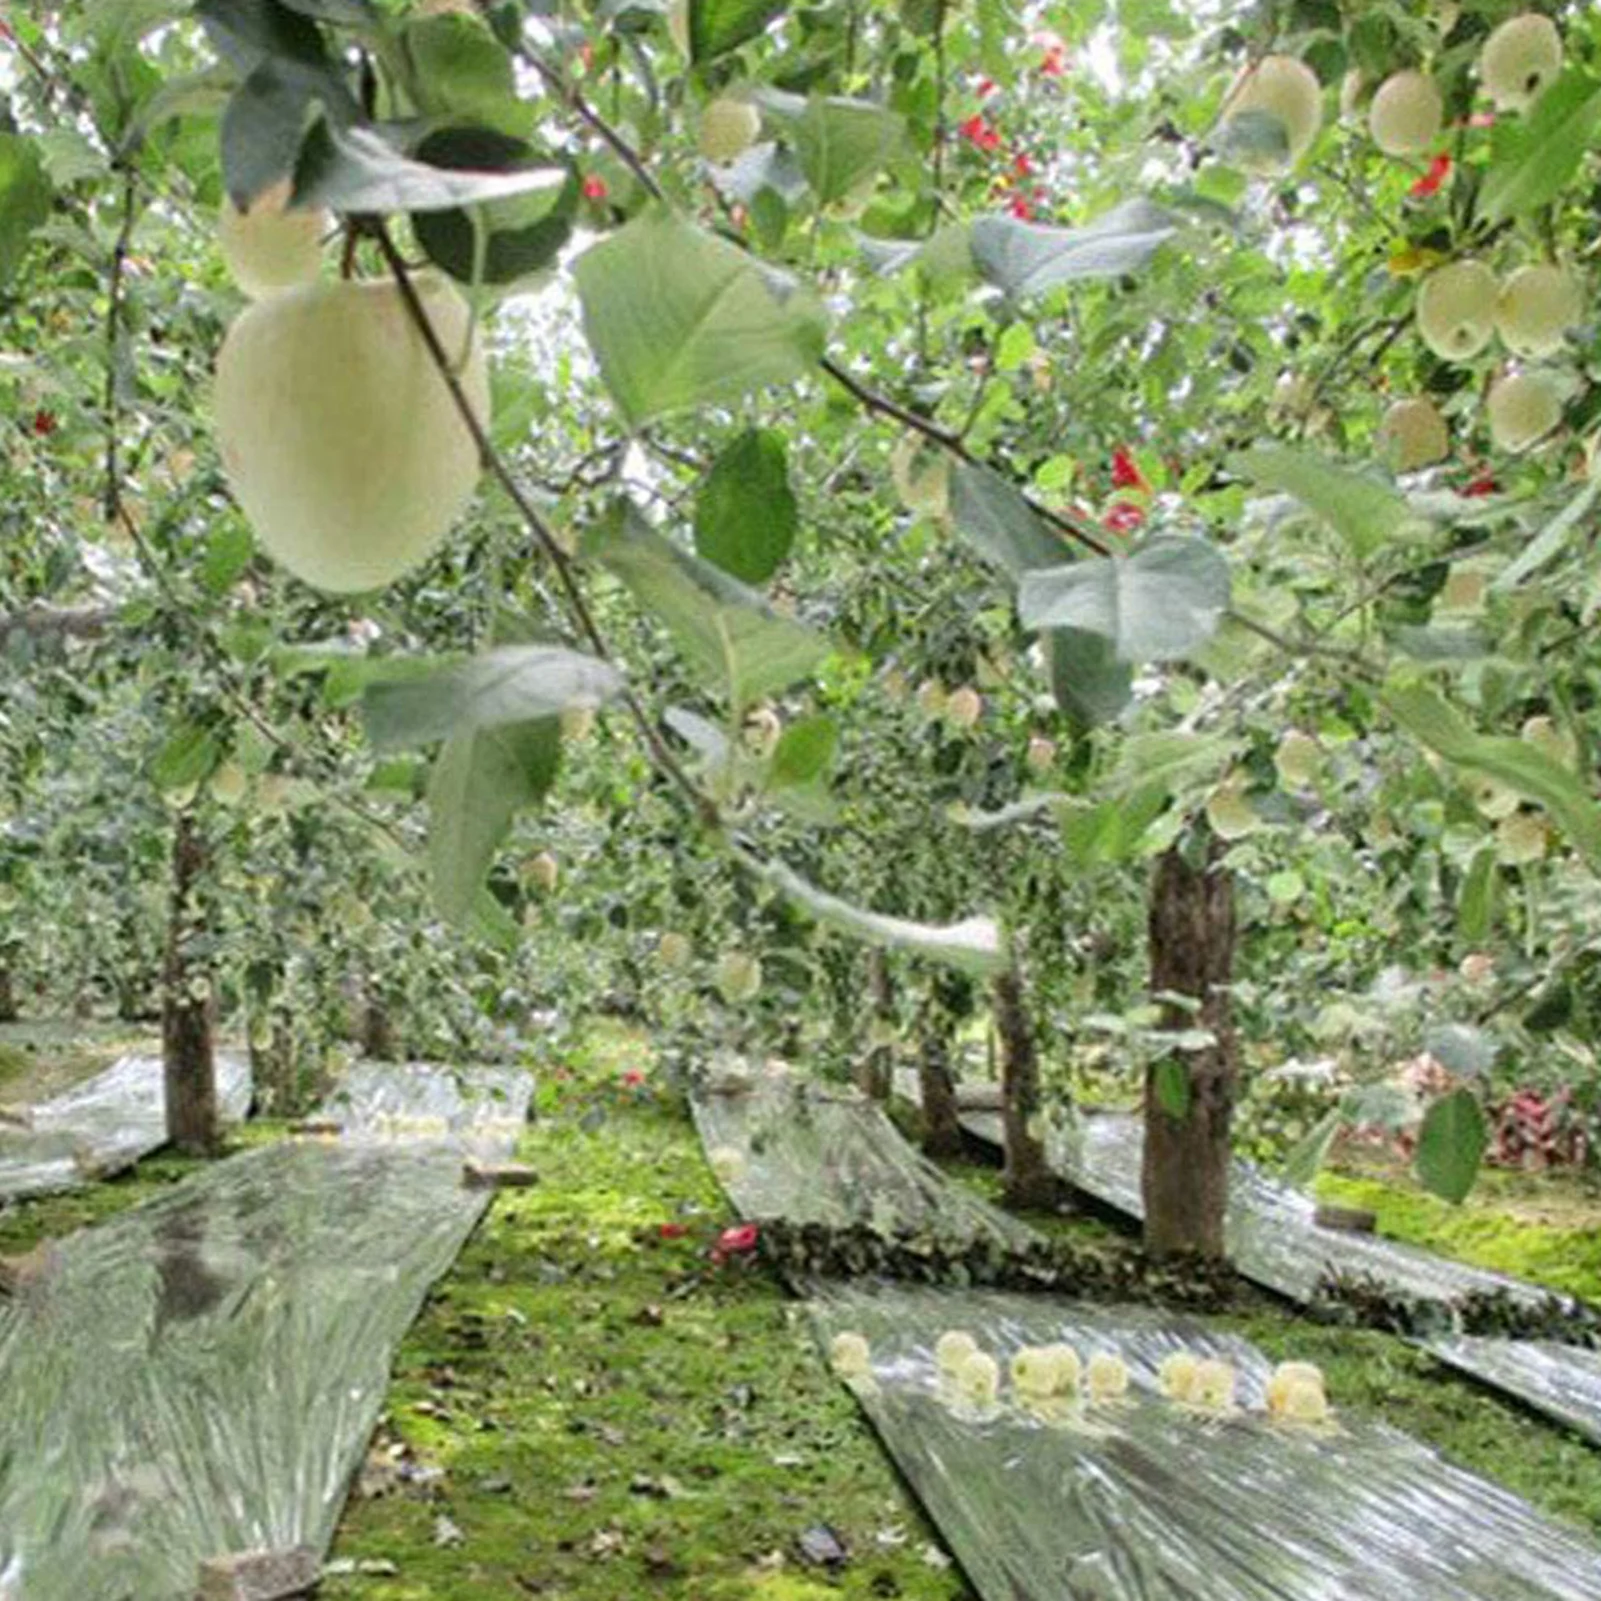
{"points": [[589, 1410], [40, 1059]]}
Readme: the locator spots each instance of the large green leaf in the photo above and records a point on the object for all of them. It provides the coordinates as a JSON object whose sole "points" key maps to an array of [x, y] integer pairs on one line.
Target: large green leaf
{"points": [[1026, 258], [1549, 542], [992, 515], [840, 142], [734, 639], [975, 945], [718, 26], [1362, 510], [678, 318], [480, 780], [745, 515], [1519, 765], [24, 198], [1158, 604], [510, 684], [358, 170], [1087, 679], [459, 72], [1534, 157], [1451, 1144]]}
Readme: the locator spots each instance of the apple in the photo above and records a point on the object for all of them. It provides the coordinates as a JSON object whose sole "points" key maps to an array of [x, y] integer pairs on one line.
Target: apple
{"points": [[1413, 434], [964, 707], [1297, 759], [1041, 754], [739, 977], [931, 697], [1456, 309], [674, 951], [1536, 307], [267, 247], [728, 128], [1286, 89], [545, 871], [762, 731], [1406, 114], [1230, 812], [1522, 409], [922, 475], [1520, 839], [342, 443], [1557, 743], [850, 1355], [1519, 60]]}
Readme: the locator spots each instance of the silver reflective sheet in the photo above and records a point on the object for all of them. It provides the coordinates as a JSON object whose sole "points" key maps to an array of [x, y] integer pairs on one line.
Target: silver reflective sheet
{"points": [[1141, 1499], [841, 1161], [1274, 1239], [200, 1375], [103, 1124]]}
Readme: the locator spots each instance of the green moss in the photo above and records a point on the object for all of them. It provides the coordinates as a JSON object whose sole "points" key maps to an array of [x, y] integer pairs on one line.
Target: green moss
{"points": [[41, 1059], [1545, 1229]]}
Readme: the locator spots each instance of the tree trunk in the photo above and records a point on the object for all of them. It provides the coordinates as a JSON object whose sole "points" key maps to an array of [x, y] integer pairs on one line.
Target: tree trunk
{"points": [[948, 997], [9, 1012], [1189, 1095], [377, 1028], [188, 1007], [1029, 1182], [875, 1068]]}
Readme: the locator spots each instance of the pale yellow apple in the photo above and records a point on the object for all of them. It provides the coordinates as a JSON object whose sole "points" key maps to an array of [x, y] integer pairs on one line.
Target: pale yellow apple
{"points": [[268, 248], [1538, 304], [1286, 89], [1522, 409], [340, 438], [739, 977], [728, 128], [1520, 59], [1406, 114], [1456, 309], [1413, 434]]}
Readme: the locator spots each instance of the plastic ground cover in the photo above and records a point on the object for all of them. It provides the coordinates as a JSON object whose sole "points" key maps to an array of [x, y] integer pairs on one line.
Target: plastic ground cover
{"points": [[1133, 1500], [1142, 1499], [1275, 1240], [103, 1125], [200, 1375]]}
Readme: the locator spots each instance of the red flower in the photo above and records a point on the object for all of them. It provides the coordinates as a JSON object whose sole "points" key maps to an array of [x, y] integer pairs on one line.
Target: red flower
{"points": [[737, 1240], [1484, 484], [980, 132], [595, 187], [1123, 517], [633, 1078], [1429, 183], [673, 1231], [1125, 471], [44, 423], [1021, 164], [1021, 208], [987, 87]]}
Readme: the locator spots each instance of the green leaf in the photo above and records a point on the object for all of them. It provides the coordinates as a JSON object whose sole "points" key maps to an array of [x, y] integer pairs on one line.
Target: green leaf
{"points": [[263, 127], [840, 142], [1364, 512], [1516, 763], [974, 945], [522, 236], [1475, 906], [992, 515], [745, 515], [1549, 542], [734, 639], [1534, 157], [25, 195], [247, 33], [1451, 1144], [1087, 679], [718, 26], [481, 779], [507, 685], [358, 170], [1025, 258], [1302, 1164], [1111, 831], [1158, 604], [1170, 1081], [804, 751], [188, 756], [461, 73], [1173, 761], [678, 318], [228, 554]]}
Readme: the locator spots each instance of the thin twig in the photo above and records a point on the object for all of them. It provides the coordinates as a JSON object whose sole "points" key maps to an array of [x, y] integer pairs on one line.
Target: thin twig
{"points": [[114, 332]]}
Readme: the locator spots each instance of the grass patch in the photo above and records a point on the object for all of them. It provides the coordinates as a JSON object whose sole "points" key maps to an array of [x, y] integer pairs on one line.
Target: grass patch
{"points": [[40, 1059]]}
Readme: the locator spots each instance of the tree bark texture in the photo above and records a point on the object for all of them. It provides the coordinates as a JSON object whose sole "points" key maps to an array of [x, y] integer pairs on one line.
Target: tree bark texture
{"points": [[188, 1007], [1028, 1181], [875, 1067], [1186, 1167]]}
